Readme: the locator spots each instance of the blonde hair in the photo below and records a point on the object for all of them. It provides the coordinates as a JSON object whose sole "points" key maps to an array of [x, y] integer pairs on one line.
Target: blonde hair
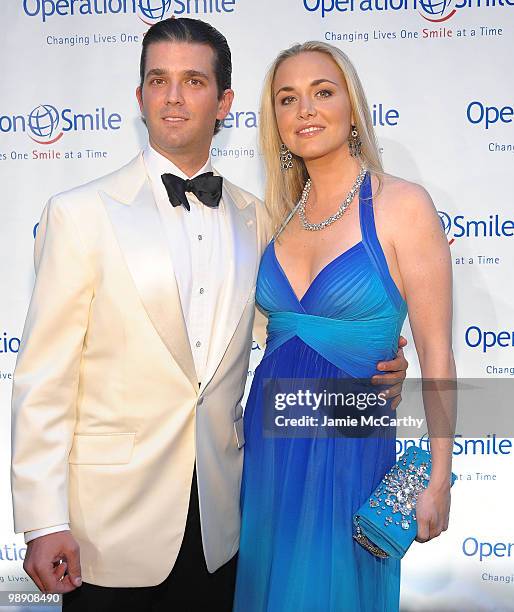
{"points": [[283, 188]]}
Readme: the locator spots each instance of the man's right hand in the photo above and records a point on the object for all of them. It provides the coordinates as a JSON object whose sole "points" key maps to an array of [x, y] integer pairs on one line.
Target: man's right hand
{"points": [[53, 562]]}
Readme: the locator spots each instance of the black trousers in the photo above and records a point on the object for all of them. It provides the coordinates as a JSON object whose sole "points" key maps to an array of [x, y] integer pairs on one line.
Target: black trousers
{"points": [[188, 588]]}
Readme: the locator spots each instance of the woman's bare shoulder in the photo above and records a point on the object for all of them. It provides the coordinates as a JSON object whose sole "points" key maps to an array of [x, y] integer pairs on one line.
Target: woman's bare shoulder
{"points": [[401, 198]]}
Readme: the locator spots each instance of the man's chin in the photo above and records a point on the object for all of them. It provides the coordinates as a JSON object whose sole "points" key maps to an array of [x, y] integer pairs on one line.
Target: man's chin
{"points": [[172, 146]]}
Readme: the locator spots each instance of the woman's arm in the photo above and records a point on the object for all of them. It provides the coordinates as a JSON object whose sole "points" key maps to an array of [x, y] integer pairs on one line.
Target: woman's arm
{"points": [[424, 263]]}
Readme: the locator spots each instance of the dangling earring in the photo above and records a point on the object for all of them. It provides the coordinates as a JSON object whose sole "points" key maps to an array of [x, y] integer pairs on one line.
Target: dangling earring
{"points": [[286, 158], [354, 142]]}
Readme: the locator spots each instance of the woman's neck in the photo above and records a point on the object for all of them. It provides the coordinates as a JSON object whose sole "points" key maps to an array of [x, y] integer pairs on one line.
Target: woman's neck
{"points": [[332, 176]]}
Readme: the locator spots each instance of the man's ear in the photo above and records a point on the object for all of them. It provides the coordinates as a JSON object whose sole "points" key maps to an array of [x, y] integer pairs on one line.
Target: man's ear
{"points": [[139, 96], [225, 104]]}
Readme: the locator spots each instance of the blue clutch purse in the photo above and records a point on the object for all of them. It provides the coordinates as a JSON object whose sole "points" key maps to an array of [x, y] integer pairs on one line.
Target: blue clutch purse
{"points": [[385, 524]]}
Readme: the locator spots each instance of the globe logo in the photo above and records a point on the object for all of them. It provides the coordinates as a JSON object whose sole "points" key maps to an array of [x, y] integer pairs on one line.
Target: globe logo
{"points": [[43, 122], [154, 9], [446, 221], [436, 9]]}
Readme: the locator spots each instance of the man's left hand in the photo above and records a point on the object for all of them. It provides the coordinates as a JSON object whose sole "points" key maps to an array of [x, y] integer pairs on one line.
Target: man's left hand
{"points": [[394, 373]]}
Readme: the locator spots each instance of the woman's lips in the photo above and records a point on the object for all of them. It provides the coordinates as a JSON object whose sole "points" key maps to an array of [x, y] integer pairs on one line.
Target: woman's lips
{"points": [[309, 131]]}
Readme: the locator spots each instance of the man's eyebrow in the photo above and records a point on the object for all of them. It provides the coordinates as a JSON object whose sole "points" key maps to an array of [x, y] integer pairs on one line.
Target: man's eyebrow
{"points": [[187, 73], [156, 72], [196, 73], [313, 84]]}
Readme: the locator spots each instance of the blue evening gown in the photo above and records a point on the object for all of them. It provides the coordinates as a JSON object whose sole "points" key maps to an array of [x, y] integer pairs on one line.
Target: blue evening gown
{"points": [[298, 495]]}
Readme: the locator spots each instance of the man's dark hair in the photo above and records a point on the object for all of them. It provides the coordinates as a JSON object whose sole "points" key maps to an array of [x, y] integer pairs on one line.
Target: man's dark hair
{"points": [[193, 31]]}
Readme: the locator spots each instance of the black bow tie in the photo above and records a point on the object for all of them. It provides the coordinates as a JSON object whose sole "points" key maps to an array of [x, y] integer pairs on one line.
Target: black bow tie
{"points": [[206, 187]]}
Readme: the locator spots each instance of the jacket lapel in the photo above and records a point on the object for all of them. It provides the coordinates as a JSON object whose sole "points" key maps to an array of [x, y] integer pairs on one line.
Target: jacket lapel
{"points": [[140, 233], [239, 281]]}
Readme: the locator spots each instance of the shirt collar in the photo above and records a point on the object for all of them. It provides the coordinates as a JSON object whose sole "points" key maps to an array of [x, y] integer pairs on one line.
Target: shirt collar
{"points": [[157, 164]]}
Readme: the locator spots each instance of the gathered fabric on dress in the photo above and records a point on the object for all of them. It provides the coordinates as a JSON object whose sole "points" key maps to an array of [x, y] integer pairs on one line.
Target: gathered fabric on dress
{"points": [[299, 494]]}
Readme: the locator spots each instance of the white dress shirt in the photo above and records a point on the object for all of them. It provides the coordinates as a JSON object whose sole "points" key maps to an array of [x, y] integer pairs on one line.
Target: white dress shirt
{"points": [[197, 240]]}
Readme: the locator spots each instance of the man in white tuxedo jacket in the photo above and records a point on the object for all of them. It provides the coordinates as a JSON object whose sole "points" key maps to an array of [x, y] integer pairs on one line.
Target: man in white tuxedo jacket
{"points": [[127, 421], [136, 348]]}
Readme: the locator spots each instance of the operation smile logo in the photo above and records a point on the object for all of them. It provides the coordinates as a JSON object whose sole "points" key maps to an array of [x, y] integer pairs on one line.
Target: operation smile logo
{"points": [[483, 116], [149, 11], [45, 124], [435, 11], [458, 226], [152, 11], [491, 444], [11, 552], [446, 222], [485, 339], [440, 10], [9, 344], [473, 547], [478, 113]]}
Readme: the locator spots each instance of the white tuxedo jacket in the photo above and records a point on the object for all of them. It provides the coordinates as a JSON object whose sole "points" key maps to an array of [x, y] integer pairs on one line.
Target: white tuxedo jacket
{"points": [[108, 418]]}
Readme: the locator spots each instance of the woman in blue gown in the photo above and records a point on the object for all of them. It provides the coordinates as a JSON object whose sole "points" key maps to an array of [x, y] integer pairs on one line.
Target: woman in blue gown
{"points": [[336, 282]]}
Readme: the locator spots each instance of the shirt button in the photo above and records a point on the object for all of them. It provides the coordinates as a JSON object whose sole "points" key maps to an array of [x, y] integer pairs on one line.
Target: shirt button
{"points": [[200, 236], [202, 290], [198, 344]]}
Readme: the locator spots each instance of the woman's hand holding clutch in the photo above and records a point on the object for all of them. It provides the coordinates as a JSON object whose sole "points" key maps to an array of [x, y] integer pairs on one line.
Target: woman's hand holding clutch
{"points": [[432, 511]]}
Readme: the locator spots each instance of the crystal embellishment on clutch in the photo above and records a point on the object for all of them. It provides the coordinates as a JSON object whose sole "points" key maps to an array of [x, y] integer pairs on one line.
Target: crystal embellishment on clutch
{"points": [[400, 489], [385, 524]]}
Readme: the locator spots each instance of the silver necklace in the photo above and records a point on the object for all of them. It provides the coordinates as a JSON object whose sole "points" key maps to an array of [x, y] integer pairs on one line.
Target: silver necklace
{"points": [[340, 211]]}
